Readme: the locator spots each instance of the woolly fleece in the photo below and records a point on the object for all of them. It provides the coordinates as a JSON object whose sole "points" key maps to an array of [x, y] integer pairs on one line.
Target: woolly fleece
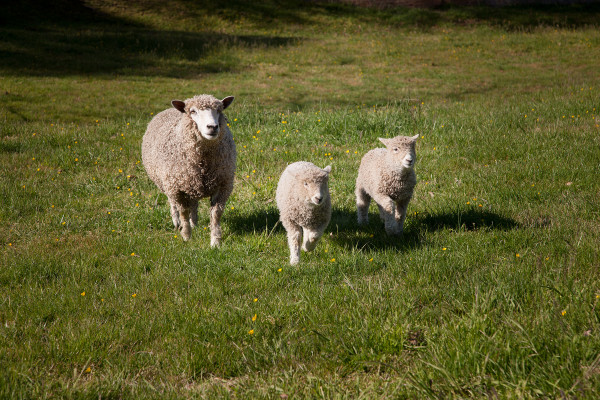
{"points": [[299, 184], [384, 177], [187, 167]]}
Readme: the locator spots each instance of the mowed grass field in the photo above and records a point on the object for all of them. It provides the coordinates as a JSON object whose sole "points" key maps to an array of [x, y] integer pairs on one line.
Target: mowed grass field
{"points": [[492, 292]]}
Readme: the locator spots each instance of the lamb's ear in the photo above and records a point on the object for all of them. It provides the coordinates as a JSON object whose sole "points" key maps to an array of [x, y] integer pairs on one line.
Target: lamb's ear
{"points": [[384, 141], [179, 105], [414, 138], [327, 169], [227, 101]]}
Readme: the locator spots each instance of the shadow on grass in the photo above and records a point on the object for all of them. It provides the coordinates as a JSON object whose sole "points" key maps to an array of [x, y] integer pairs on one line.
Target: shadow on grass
{"points": [[73, 38], [345, 231], [77, 37], [258, 221]]}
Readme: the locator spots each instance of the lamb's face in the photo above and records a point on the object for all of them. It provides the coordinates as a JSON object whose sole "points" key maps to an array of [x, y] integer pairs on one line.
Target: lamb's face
{"points": [[402, 150], [316, 190], [207, 122]]}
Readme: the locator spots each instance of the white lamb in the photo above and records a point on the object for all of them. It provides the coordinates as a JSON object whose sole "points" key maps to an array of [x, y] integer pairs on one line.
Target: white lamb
{"points": [[304, 205], [388, 177], [189, 153]]}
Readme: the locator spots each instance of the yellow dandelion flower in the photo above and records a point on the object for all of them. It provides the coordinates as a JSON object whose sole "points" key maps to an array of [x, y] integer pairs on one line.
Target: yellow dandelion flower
{"points": [[133, 254], [251, 332], [83, 293], [333, 260], [88, 370], [255, 299], [254, 318], [134, 295], [517, 255], [444, 249], [279, 270], [371, 260], [563, 312]]}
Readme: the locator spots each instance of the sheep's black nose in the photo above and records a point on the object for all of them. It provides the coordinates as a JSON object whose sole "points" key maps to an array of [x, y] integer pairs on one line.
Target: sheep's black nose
{"points": [[318, 199], [212, 127]]}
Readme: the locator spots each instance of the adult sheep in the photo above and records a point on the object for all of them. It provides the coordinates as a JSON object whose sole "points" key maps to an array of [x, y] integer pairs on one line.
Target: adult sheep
{"points": [[189, 153], [388, 177]]}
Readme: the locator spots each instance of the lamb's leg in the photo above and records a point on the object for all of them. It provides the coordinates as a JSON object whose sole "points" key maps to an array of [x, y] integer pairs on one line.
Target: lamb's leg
{"points": [[400, 216], [217, 206], [387, 211], [311, 238], [363, 200], [194, 214], [174, 213], [294, 237]]}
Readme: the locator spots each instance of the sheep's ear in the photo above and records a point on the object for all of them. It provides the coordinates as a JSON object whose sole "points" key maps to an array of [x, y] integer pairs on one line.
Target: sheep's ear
{"points": [[414, 138], [327, 169], [227, 101], [179, 105], [384, 141]]}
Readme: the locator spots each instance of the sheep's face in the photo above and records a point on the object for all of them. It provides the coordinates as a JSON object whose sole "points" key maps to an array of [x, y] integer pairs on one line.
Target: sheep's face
{"points": [[401, 149], [207, 113], [207, 121], [316, 188]]}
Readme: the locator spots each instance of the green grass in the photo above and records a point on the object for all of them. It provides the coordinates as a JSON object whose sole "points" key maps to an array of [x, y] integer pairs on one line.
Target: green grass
{"points": [[492, 291]]}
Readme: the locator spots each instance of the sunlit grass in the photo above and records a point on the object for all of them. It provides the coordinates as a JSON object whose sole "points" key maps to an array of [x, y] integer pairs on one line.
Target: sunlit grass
{"points": [[492, 291]]}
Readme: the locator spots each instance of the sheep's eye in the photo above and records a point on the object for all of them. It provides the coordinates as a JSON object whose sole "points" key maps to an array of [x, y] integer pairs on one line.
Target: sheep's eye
{"points": [[306, 184], [193, 112], [395, 149]]}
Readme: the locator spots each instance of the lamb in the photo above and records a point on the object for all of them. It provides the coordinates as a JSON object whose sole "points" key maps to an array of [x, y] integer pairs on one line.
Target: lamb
{"points": [[304, 204], [388, 177], [189, 153]]}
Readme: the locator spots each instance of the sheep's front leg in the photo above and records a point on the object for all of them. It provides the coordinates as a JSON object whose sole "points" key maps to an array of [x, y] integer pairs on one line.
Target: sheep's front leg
{"points": [[400, 216], [387, 211], [294, 237], [174, 213], [311, 238], [217, 206], [363, 200]]}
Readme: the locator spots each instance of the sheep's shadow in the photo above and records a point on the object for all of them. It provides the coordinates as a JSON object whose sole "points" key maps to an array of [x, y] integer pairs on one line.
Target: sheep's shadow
{"points": [[257, 221], [345, 231]]}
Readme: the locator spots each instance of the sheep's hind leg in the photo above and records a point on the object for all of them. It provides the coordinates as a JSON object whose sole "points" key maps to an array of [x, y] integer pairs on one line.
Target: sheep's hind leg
{"points": [[194, 214], [294, 237], [186, 228], [363, 200], [400, 215], [310, 239]]}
